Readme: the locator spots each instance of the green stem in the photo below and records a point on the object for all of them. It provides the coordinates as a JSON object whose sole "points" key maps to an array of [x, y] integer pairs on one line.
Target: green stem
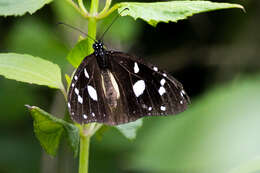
{"points": [[112, 9], [85, 15], [107, 5], [86, 129], [82, 7], [92, 25], [84, 151]]}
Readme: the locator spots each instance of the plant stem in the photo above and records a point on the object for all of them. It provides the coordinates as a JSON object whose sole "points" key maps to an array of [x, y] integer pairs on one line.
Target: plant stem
{"points": [[92, 24], [82, 7], [85, 129], [84, 151], [112, 9], [85, 15], [107, 5]]}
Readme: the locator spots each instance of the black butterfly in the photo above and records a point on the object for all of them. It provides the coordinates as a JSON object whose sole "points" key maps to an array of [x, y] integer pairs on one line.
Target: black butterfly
{"points": [[114, 88]]}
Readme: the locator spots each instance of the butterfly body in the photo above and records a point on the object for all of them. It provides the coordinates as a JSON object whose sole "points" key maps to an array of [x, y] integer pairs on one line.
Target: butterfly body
{"points": [[114, 88]]}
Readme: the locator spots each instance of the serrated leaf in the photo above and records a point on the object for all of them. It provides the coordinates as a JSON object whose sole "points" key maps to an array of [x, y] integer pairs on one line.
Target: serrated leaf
{"points": [[129, 130], [49, 130], [18, 7], [78, 53], [170, 11], [34, 70]]}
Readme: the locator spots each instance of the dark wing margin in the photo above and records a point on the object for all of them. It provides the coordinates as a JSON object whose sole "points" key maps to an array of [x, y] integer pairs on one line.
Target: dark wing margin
{"points": [[145, 89]]}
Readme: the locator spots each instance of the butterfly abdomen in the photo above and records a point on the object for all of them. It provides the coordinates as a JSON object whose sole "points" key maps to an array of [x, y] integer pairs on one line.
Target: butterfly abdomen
{"points": [[110, 88]]}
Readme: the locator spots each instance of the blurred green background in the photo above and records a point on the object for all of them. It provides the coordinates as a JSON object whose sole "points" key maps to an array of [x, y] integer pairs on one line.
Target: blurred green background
{"points": [[216, 57]]}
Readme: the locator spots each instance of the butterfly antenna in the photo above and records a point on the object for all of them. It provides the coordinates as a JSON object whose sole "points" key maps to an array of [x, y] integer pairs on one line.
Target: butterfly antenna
{"points": [[72, 27], [112, 23]]}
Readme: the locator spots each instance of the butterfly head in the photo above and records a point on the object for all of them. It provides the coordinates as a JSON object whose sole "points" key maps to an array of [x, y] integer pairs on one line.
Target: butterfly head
{"points": [[98, 47]]}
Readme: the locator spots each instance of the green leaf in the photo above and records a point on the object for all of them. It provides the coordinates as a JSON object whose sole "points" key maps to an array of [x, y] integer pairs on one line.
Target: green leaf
{"points": [[49, 130], [49, 46], [129, 130], [18, 7], [34, 70], [78, 53], [170, 11], [219, 133]]}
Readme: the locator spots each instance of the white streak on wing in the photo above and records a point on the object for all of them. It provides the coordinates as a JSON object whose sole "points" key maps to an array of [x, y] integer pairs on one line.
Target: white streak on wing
{"points": [[85, 116], [68, 105], [163, 108], [162, 82], [136, 68], [86, 73], [76, 91], [80, 99], [76, 77], [182, 93], [92, 92], [164, 74], [161, 90], [139, 88], [155, 68]]}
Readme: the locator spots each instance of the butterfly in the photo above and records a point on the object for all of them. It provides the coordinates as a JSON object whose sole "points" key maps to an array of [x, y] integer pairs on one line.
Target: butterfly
{"points": [[113, 88]]}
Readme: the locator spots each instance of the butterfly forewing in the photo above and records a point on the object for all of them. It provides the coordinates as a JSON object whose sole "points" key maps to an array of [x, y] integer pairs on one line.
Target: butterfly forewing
{"points": [[86, 100], [149, 91]]}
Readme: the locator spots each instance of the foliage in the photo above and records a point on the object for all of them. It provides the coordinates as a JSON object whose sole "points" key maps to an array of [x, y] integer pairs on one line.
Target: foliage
{"points": [[49, 131], [172, 11], [219, 133], [18, 8], [34, 70]]}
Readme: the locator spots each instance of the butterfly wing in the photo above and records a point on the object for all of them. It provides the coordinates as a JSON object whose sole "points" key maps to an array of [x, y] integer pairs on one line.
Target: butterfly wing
{"points": [[145, 90], [85, 97], [127, 90]]}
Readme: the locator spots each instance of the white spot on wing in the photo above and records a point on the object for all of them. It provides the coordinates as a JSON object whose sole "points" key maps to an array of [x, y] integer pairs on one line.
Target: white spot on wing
{"points": [[161, 90], [85, 116], [139, 88], [163, 108], [76, 77], [80, 99], [86, 73], [136, 68], [68, 105], [150, 108], [92, 92], [164, 74], [162, 82], [181, 102], [93, 114], [155, 68], [182, 93], [72, 84], [76, 91]]}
